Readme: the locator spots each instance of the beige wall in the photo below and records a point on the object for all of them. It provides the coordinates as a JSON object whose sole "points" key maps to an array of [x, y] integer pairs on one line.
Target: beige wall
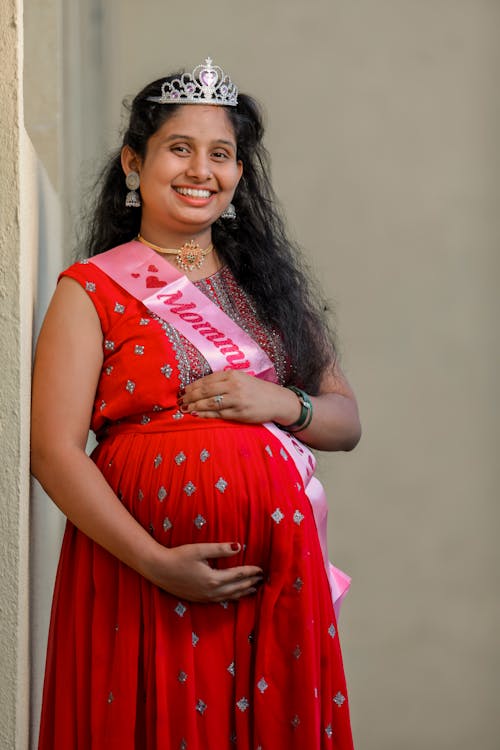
{"points": [[383, 126], [383, 123], [17, 251]]}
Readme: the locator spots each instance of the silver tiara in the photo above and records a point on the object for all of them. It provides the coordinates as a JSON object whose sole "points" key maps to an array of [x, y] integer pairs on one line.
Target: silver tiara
{"points": [[207, 84]]}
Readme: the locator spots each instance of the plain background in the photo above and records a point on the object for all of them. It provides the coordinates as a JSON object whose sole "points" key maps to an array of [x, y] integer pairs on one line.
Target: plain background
{"points": [[383, 124]]}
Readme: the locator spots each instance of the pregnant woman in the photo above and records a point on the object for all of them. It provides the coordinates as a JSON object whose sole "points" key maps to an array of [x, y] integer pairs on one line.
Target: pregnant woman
{"points": [[192, 608]]}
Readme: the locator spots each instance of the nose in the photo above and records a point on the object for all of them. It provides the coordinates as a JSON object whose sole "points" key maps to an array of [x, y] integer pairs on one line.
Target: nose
{"points": [[199, 167]]}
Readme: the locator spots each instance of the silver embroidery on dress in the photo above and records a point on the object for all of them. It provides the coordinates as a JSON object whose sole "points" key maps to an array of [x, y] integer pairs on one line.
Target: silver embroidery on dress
{"points": [[339, 699], [180, 609], [262, 685], [199, 521], [180, 458], [201, 706], [189, 488], [298, 517], [277, 516], [162, 494], [243, 704], [167, 524], [158, 460], [130, 387], [221, 484], [119, 308], [204, 455], [89, 286], [139, 349]]}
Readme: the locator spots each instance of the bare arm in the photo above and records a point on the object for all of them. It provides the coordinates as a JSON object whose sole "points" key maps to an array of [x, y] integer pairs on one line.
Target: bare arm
{"points": [[335, 424], [67, 367]]}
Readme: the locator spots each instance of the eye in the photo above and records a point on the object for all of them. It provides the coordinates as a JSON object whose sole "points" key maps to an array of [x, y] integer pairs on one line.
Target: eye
{"points": [[220, 155], [180, 148]]}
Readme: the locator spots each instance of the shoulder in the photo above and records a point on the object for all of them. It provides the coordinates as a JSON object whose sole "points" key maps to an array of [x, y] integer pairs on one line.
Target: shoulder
{"points": [[95, 284]]}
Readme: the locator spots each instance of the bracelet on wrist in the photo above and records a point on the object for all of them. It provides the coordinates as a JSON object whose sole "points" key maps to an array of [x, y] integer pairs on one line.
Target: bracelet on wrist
{"points": [[306, 411]]}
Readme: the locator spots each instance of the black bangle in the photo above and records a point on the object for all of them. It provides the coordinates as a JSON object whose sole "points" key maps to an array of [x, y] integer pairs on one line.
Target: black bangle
{"points": [[306, 411]]}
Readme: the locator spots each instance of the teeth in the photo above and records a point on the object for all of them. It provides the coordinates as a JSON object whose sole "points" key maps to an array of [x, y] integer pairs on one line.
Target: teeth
{"points": [[193, 192]]}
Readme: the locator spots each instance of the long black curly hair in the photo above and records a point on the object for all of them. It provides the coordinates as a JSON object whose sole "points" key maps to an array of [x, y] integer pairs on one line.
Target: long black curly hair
{"points": [[255, 246]]}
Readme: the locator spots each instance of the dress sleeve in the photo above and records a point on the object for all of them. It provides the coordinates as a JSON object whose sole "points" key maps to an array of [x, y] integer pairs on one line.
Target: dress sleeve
{"points": [[97, 286]]}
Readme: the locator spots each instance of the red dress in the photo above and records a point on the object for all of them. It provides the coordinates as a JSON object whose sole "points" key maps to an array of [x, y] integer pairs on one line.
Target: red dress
{"points": [[130, 667]]}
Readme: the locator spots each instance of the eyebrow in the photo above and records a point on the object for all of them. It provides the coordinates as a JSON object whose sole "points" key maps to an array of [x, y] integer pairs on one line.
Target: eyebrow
{"points": [[177, 136]]}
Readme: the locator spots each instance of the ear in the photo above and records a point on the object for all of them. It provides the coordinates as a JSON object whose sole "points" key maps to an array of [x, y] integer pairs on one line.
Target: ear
{"points": [[130, 161], [239, 165]]}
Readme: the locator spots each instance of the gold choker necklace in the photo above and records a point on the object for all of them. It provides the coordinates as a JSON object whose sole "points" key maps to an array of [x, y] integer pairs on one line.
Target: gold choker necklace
{"points": [[188, 257]]}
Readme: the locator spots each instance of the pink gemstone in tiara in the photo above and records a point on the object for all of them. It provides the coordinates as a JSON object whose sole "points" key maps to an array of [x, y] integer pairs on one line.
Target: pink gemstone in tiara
{"points": [[206, 84]]}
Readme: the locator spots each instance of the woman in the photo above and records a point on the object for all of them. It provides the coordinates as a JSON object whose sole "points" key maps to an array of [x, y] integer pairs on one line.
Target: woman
{"points": [[191, 608]]}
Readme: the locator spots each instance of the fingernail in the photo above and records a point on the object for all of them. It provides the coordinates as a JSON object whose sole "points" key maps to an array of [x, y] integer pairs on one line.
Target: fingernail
{"points": [[183, 408], [194, 414], [235, 546], [252, 591]]}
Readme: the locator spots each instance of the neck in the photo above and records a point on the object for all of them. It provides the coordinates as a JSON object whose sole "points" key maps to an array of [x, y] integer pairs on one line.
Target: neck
{"points": [[158, 236], [190, 258]]}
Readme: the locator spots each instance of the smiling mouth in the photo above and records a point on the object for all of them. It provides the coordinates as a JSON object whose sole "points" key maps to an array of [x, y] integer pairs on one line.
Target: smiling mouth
{"points": [[193, 192]]}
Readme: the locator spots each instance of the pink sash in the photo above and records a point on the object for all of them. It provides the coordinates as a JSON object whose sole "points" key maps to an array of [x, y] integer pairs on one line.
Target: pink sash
{"points": [[170, 295]]}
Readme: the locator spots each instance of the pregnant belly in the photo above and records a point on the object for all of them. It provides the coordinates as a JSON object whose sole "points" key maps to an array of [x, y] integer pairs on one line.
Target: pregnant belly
{"points": [[207, 485]]}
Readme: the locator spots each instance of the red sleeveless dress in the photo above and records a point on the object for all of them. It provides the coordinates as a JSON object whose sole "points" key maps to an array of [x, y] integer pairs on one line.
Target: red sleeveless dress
{"points": [[130, 667]]}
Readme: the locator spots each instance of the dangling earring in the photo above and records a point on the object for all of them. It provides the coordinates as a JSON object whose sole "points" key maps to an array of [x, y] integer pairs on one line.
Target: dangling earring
{"points": [[133, 199], [228, 213]]}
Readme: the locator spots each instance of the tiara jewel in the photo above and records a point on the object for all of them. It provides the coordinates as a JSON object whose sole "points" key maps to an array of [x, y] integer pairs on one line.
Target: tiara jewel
{"points": [[207, 84]]}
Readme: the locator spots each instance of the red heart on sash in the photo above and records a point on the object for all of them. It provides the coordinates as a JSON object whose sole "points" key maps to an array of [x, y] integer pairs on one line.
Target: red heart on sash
{"points": [[153, 269], [135, 275], [153, 282]]}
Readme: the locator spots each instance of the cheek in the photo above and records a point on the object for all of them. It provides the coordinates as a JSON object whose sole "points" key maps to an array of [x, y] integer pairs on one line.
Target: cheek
{"points": [[233, 177]]}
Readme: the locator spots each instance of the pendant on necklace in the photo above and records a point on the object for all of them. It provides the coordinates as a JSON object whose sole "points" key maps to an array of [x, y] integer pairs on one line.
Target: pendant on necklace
{"points": [[191, 256]]}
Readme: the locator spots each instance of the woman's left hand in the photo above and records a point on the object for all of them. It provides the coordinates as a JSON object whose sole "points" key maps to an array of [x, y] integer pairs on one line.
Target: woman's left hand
{"points": [[240, 397]]}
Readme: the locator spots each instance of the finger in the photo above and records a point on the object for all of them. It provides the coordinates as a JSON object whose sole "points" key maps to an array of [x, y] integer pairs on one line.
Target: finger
{"points": [[243, 575], [210, 414], [209, 550], [218, 402], [206, 406], [236, 591], [207, 386]]}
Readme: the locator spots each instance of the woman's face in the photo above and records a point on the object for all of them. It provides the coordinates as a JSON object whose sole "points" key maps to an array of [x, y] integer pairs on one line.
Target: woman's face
{"points": [[189, 173]]}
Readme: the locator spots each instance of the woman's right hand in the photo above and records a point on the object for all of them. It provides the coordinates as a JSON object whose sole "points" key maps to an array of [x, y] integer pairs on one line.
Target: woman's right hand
{"points": [[186, 572]]}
